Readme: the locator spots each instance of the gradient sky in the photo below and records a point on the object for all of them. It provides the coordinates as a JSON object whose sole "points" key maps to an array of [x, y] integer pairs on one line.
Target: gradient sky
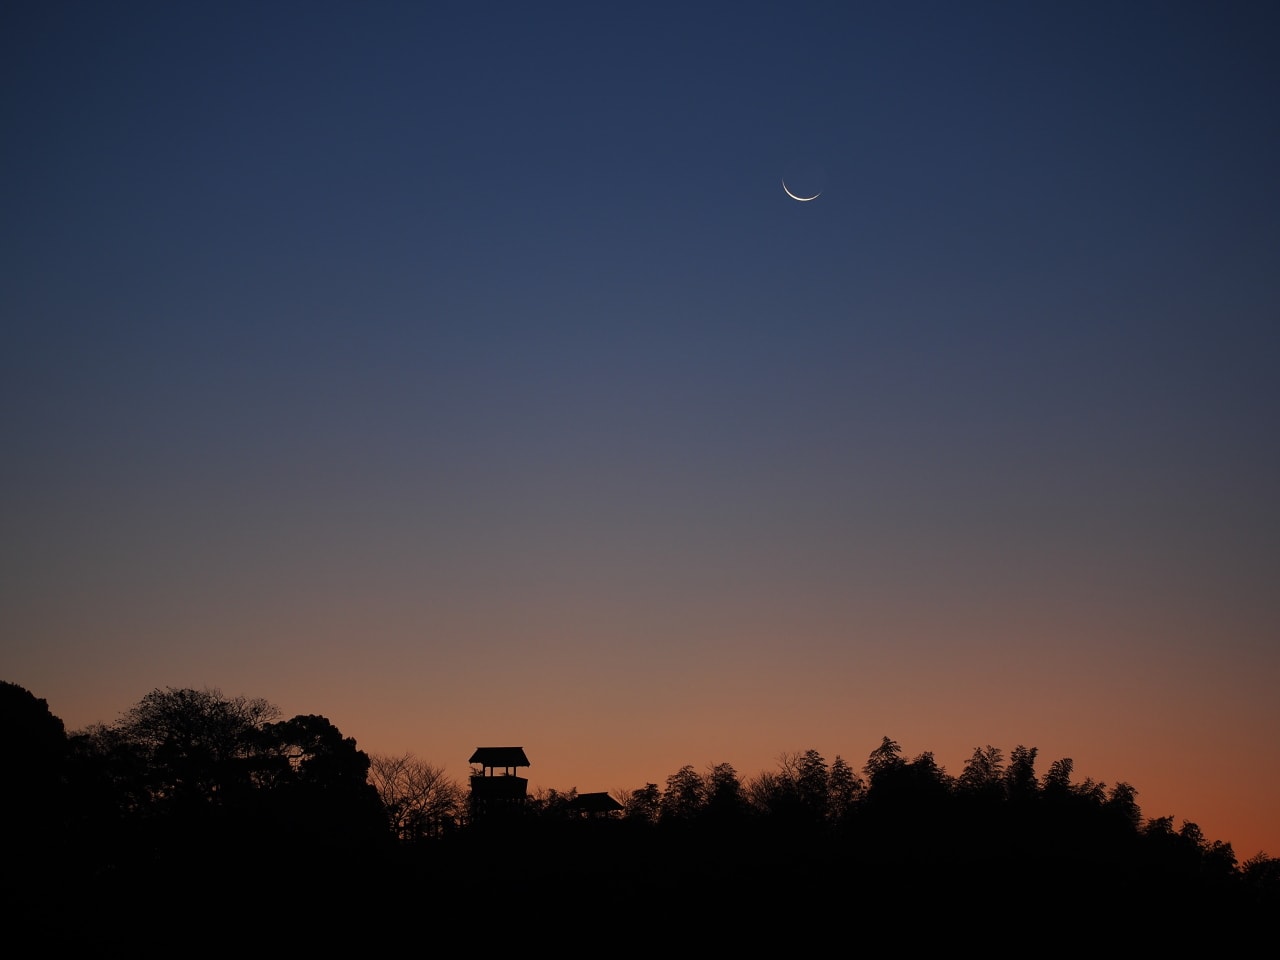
{"points": [[464, 374]]}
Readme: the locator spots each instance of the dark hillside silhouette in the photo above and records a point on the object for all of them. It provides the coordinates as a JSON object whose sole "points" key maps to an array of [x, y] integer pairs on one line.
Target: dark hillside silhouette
{"points": [[201, 812]]}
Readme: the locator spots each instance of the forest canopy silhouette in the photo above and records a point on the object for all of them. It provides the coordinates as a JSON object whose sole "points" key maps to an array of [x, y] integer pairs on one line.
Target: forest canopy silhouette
{"points": [[193, 800]]}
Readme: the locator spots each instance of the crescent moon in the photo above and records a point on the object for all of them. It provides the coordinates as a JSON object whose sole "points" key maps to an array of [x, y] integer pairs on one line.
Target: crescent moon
{"points": [[801, 199]]}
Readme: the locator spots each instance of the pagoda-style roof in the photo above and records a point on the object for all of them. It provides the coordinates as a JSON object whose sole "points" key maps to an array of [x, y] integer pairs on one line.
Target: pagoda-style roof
{"points": [[500, 757]]}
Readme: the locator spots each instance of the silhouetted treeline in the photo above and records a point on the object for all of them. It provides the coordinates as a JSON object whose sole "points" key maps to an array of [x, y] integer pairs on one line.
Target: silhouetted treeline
{"points": [[199, 808]]}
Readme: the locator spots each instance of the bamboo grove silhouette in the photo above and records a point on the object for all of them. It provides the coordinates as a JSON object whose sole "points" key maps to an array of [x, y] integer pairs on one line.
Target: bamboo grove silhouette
{"points": [[199, 811]]}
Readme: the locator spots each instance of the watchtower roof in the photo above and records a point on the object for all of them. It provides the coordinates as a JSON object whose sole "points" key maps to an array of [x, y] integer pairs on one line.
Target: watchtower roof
{"points": [[500, 757]]}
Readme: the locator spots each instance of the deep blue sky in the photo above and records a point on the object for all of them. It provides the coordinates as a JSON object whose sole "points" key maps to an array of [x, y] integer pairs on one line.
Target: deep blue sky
{"points": [[466, 375]]}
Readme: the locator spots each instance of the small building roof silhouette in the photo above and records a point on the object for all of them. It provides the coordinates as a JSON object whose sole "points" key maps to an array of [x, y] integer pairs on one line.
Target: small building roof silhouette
{"points": [[596, 803], [500, 757]]}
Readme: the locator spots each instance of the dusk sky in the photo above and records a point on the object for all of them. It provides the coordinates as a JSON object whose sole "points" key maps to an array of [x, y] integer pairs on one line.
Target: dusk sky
{"points": [[463, 373]]}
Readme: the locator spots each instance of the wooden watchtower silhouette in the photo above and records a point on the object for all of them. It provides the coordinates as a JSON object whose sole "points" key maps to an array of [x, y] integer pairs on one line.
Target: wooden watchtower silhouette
{"points": [[493, 792]]}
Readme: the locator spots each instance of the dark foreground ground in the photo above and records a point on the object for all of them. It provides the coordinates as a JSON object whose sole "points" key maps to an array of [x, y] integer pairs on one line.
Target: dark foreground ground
{"points": [[598, 886]]}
